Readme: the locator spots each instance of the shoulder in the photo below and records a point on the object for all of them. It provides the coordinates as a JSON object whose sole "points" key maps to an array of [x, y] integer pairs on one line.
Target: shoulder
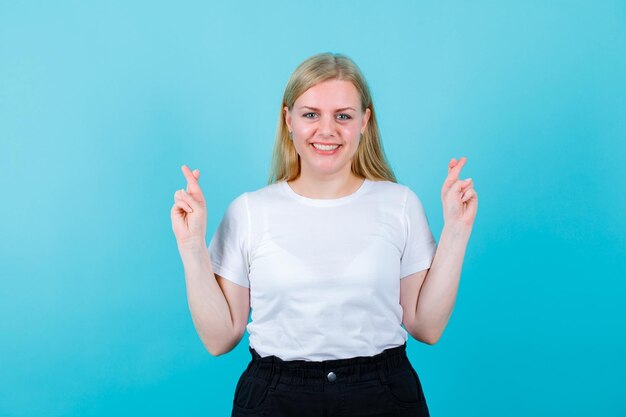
{"points": [[256, 198], [398, 195], [391, 190], [264, 194]]}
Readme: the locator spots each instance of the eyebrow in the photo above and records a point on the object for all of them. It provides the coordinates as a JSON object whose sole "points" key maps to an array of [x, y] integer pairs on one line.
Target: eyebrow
{"points": [[315, 109]]}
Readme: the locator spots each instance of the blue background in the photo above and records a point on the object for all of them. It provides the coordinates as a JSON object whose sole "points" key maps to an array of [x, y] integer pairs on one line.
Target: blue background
{"points": [[102, 102]]}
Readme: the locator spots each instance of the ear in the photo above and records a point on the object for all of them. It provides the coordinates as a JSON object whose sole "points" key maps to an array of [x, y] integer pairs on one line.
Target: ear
{"points": [[288, 117], [366, 118]]}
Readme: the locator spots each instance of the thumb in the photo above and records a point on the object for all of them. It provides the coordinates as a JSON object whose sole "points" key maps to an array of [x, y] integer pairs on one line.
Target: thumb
{"points": [[459, 185]]}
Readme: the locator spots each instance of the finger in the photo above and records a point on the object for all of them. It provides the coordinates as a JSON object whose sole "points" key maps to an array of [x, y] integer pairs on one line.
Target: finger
{"points": [[181, 205], [196, 174], [179, 195], [469, 194], [193, 187], [467, 183], [454, 172], [456, 168], [459, 186], [187, 198], [182, 197], [178, 208], [191, 179], [452, 163]]}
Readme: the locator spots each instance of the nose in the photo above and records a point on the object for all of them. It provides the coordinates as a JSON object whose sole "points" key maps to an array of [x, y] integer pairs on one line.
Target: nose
{"points": [[327, 126]]}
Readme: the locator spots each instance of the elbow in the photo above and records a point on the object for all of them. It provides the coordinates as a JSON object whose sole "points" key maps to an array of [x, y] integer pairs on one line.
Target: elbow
{"points": [[214, 351], [427, 337], [218, 349], [430, 339]]}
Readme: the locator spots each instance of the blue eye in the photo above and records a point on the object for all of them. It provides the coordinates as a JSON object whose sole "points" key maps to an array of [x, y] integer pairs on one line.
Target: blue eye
{"points": [[344, 116], [309, 115]]}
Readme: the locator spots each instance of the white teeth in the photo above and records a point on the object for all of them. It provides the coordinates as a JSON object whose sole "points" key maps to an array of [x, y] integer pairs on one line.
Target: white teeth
{"points": [[325, 147]]}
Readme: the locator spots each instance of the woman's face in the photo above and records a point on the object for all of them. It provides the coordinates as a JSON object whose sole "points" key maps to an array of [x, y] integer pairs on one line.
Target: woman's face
{"points": [[327, 121]]}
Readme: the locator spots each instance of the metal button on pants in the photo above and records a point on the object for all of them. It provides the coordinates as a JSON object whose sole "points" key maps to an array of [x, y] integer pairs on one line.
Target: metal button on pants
{"points": [[331, 377]]}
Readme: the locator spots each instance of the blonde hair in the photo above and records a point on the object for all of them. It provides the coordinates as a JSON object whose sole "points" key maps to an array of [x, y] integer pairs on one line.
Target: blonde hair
{"points": [[369, 161]]}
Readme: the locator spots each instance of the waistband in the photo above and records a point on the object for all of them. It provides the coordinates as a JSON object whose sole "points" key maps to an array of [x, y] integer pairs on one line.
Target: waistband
{"points": [[334, 371]]}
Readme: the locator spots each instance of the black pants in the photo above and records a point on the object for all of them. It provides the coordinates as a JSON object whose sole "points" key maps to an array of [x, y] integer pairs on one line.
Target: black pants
{"points": [[381, 385]]}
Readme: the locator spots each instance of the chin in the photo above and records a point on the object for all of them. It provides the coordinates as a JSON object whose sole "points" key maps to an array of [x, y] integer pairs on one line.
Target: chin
{"points": [[328, 170]]}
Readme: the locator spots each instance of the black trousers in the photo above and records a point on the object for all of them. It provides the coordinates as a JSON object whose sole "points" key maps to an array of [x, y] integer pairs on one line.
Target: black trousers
{"points": [[381, 385]]}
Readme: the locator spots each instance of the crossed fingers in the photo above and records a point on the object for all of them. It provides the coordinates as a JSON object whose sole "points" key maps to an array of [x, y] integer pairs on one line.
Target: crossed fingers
{"points": [[193, 187], [191, 177], [452, 180], [454, 169]]}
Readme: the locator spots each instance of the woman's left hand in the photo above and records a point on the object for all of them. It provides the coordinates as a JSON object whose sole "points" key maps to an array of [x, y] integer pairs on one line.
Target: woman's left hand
{"points": [[460, 201]]}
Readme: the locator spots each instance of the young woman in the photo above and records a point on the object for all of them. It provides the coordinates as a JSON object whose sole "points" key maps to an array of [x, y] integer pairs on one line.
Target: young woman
{"points": [[333, 257]]}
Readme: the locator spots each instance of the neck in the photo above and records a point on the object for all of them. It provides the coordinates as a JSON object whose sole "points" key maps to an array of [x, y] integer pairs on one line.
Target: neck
{"points": [[326, 186]]}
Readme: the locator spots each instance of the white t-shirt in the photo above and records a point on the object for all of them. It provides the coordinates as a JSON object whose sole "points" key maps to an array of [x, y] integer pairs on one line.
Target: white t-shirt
{"points": [[324, 274]]}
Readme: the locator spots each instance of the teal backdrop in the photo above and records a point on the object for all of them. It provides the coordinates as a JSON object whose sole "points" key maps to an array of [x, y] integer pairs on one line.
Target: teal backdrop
{"points": [[102, 102]]}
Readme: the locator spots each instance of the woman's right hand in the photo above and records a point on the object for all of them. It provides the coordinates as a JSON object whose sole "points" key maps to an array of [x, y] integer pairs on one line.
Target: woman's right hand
{"points": [[189, 217]]}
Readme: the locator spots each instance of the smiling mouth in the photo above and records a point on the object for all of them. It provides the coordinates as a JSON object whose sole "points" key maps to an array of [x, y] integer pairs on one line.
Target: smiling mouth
{"points": [[325, 148]]}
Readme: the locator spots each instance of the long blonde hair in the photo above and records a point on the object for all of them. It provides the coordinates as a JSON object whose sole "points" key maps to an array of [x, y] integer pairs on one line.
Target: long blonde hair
{"points": [[369, 161]]}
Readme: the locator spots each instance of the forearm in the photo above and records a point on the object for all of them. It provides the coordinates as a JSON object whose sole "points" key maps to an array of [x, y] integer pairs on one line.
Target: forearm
{"points": [[208, 306], [438, 292]]}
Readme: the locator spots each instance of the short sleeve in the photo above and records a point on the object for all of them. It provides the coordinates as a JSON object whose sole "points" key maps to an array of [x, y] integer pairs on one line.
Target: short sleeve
{"points": [[229, 245], [420, 246]]}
